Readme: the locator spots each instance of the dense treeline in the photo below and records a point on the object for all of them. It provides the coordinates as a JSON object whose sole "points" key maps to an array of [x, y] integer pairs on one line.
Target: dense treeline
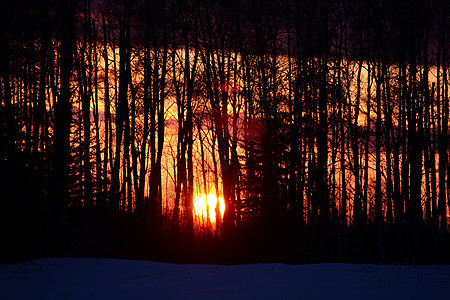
{"points": [[322, 124]]}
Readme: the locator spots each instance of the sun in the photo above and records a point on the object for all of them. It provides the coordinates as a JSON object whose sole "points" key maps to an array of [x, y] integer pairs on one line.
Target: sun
{"points": [[205, 205]]}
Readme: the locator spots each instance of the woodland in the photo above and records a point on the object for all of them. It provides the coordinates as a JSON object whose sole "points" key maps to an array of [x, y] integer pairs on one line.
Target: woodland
{"points": [[323, 125]]}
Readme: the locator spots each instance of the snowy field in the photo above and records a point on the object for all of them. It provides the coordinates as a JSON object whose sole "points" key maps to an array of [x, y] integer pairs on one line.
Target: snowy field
{"points": [[73, 278]]}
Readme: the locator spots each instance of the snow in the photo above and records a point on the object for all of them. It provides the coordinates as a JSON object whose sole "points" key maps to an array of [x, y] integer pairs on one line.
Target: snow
{"points": [[90, 278]]}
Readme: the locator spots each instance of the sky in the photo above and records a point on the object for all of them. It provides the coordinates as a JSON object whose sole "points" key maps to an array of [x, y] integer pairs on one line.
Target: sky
{"points": [[102, 278]]}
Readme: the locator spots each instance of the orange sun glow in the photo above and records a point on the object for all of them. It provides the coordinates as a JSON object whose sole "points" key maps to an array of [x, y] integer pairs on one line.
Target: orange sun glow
{"points": [[205, 205]]}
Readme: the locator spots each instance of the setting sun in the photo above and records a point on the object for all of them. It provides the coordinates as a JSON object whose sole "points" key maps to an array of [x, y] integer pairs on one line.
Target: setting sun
{"points": [[206, 205]]}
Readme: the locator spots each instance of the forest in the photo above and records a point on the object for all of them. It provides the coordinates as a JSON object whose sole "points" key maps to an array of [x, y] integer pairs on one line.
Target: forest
{"points": [[323, 126]]}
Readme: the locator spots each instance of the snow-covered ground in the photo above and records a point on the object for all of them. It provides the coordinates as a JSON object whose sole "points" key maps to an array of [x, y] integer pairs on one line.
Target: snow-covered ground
{"points": [[74, 278]]}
